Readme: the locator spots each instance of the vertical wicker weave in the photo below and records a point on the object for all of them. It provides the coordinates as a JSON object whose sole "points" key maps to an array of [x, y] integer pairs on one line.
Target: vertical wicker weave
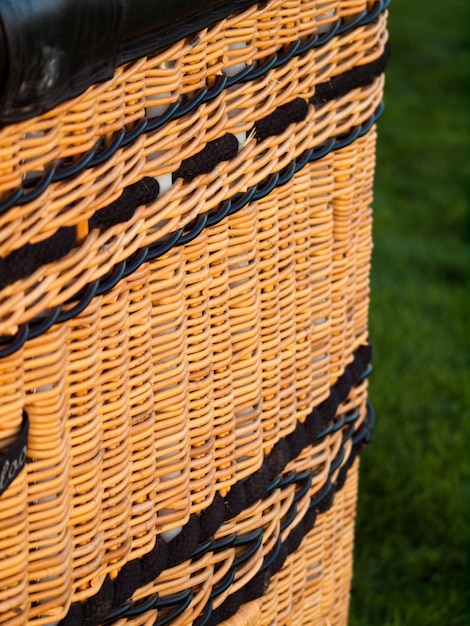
{"points": [[184, 282]]}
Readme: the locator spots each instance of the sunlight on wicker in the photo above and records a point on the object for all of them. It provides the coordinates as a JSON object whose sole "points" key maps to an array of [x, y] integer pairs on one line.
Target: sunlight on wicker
{"points": [[166, 345]]}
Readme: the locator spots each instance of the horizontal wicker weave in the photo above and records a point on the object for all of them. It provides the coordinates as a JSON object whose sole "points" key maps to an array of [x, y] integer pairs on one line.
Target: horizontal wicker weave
{"points": [[184, 286]]}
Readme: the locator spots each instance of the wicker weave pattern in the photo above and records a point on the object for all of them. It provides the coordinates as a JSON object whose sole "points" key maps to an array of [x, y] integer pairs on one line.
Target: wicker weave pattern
{"points": [[207, 572], [173, 385], [314, 584], [204, 337], [74, 202], [312, 588]]}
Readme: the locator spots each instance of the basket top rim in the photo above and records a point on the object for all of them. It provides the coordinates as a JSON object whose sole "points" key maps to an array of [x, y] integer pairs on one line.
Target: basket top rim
{"points": [[53, 50]]}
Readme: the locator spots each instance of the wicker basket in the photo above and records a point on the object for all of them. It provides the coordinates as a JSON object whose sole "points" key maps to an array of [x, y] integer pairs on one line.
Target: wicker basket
{"points": [[185, 239]]}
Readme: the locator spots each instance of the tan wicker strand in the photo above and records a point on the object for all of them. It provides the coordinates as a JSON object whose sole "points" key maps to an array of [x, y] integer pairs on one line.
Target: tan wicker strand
{"points": [[247, 615], [83, 433], [222, 357], [170, 381]]}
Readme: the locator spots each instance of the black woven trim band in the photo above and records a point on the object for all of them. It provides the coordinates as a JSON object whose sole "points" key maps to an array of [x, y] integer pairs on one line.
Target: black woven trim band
{"points": [[62, 169], [197, 536], [23, 262], [359, 76], [60, 314]]}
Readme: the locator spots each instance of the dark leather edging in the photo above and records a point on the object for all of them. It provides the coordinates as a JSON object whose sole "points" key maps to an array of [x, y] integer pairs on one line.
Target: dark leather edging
{"points": [[53, 50], [14, 459], [10, 344], [113, 602]]}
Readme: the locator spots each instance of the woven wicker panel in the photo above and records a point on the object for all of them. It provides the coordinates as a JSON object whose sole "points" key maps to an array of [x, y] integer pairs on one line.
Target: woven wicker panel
{"points": [[313, 585], [82, 190], [315, 577], [184, 284]]}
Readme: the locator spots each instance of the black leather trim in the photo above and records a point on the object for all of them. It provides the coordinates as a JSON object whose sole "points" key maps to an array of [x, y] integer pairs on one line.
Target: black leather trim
{"points": [[14, 459], [53, 50]]}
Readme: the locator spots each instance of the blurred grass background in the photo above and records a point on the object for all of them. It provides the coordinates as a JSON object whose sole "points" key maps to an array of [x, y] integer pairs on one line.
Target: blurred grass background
{"points": [[412, 534]]}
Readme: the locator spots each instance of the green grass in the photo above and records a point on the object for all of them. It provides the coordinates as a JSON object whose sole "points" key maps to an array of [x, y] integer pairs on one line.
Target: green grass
{"points": [[412, 538]]}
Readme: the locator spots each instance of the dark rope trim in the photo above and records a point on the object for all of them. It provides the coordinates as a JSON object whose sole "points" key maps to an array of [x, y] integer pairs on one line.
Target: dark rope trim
{"points": [[22, 262], [63, 169], [60, 314], [355, 78], [223, 149], [197, 536], [122, 210], [279, 120]]}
